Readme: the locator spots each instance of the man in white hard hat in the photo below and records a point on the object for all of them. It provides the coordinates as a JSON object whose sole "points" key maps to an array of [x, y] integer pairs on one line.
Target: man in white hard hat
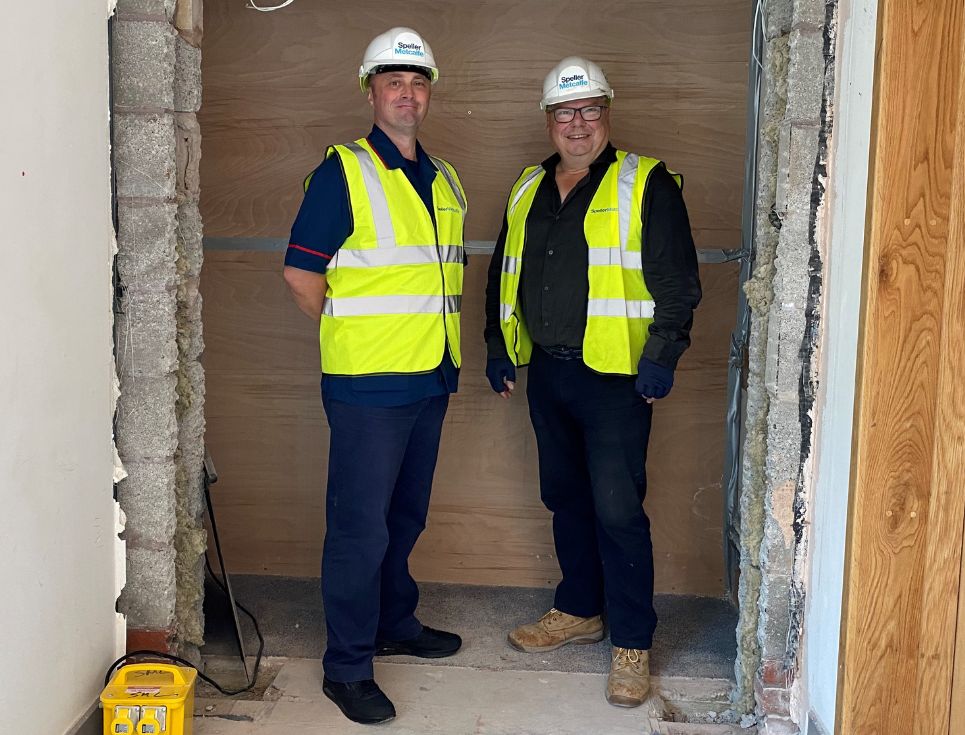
{"points": [[593, 284], [376, 257]]}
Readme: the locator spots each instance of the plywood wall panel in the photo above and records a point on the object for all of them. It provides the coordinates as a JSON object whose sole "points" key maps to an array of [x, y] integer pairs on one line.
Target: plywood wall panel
{"points": [[254, 325], [280, 87], [244, 198], [267, 433]]}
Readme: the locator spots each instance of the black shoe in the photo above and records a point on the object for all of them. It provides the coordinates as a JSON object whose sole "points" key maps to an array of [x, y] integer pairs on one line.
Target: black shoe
{"points": [[430, 643], [360, 701]]}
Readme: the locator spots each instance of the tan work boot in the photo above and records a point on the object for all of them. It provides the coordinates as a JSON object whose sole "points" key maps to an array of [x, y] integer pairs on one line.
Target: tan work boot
{"points": [[556, 629], [629, 681]]}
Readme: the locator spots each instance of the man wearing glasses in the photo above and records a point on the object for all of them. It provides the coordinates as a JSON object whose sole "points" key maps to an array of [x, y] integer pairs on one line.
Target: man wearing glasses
{"points": [[593, 284]]}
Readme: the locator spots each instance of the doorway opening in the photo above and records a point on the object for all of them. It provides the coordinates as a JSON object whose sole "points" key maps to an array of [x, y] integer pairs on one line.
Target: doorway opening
{"points": [[713, 93]]}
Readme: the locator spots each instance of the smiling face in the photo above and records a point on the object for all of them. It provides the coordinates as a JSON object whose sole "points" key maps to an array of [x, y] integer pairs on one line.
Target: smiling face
{"points": [[579, 142], [400, 100]]}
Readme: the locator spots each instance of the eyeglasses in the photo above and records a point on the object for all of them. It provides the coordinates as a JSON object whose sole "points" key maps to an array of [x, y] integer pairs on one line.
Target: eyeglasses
{"points": [[588, 113]]}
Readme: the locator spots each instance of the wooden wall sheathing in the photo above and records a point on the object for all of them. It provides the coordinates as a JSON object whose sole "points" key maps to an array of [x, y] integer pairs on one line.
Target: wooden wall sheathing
{"points": [[267, 432], [280, 87]]}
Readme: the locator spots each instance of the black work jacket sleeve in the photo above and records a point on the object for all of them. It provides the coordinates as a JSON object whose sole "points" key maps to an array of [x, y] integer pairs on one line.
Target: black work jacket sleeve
{"points": [[495, 345], [669, 269]]}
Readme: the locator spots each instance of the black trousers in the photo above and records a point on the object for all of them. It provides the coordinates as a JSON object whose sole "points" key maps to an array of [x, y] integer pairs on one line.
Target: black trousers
{"points": [[592, 432]]}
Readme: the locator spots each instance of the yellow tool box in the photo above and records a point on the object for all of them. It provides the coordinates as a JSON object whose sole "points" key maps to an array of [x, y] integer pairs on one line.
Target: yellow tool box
{"points": [[149, 698]]}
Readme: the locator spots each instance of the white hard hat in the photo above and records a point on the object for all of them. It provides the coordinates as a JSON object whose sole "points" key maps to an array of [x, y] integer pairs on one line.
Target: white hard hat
{"points": [[398, 47], [574, 78]]}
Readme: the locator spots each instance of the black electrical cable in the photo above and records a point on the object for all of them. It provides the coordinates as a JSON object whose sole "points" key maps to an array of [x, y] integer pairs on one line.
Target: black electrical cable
{"points": [[183, 662], [246, 611]]}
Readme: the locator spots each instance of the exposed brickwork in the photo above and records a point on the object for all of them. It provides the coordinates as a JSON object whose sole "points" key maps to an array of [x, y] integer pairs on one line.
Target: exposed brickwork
{"points": [[774, 700], [139, 639], [774, 674]]}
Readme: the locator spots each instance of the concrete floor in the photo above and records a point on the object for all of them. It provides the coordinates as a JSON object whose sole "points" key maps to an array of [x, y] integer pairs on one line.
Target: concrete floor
{"points": [[447, 700], [695, 637], [488, 688]]}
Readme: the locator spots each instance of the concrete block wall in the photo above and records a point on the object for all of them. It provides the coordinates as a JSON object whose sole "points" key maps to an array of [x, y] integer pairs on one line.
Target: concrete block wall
{"points": [[783, 294], [156, 80]]}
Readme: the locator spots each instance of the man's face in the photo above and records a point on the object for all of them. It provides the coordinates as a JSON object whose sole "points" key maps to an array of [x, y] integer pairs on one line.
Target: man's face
{"points": [[579, 137], [400, 100]]}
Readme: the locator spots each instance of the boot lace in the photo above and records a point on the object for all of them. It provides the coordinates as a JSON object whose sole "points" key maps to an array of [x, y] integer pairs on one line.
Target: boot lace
{"points": [[627, 659], [552, 616]]}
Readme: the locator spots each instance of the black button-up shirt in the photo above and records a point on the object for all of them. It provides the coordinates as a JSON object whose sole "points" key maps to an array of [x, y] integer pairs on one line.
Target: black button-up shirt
{"points": [[554, 286]]}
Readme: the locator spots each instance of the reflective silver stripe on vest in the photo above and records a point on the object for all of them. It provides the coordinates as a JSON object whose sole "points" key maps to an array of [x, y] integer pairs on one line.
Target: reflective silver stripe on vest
{"points": [[510, 264], [378, 202], [457, 192], [378, 305], [505, 311], [401, 255], [620, 308], [615, 256], [523, 187], [625, 181]]}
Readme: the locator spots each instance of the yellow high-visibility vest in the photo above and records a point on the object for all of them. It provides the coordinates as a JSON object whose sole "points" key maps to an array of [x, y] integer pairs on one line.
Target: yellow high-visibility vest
{"points": [[619, 308], [394, 291]]}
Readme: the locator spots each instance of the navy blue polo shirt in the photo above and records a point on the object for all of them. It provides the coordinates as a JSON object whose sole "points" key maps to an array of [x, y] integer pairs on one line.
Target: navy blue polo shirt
{"points": [[323, 223]]}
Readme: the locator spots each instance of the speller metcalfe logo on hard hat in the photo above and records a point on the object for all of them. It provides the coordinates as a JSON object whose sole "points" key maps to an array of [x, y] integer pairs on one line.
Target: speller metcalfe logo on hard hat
{"points": [[409, 46], [400, 47], [573, 77]]}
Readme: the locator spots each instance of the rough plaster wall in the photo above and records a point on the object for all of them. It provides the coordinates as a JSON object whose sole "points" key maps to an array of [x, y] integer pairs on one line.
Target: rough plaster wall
{"points": [[160, 421], [783, 294]]}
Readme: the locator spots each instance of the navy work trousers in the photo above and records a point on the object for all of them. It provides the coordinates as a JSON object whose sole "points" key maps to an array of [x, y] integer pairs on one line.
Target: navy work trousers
{"points": [[380, 467], [591, 434]]}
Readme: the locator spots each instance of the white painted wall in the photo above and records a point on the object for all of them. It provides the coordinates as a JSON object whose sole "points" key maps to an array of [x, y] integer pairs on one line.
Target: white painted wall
{"points": [[57, 525], [844, 239]]}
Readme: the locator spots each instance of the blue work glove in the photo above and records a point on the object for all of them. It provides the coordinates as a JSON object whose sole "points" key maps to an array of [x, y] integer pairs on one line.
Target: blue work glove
{"points": [[653, 380], [498, 368]]}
